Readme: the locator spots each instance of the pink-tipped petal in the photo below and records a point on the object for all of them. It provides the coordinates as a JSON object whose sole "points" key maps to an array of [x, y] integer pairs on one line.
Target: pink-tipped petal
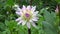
{"points": [[23, 8], [29, 7], [18, 12]]}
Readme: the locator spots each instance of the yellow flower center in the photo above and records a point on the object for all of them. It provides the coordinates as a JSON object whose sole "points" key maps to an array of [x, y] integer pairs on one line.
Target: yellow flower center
{"points": [[27, 15]]}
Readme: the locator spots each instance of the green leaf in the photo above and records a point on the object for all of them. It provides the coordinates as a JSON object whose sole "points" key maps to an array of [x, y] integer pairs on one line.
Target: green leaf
{"points": [[49, 17], [48, 23], [2, 26], [11, 24], [10, 2]]}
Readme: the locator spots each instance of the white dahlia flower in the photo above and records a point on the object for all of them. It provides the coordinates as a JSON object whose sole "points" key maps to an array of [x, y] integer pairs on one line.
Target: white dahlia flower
{"points": [[28, 15]]}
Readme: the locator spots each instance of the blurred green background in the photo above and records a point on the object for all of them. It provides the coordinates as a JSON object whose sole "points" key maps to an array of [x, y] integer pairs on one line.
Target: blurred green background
{"points": [[48, 23]]}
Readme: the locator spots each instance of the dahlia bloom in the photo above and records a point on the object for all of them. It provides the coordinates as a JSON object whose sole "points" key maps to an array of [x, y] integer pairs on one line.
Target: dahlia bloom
{"points": [[27, 15]]}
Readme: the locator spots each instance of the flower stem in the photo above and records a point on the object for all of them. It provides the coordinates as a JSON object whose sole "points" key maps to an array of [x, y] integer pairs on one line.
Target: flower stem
{"points": [[29, 31], [31, 2]]}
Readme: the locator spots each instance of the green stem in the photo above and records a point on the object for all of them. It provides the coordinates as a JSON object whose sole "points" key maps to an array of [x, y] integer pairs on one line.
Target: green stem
{"points": [[29, 31]]}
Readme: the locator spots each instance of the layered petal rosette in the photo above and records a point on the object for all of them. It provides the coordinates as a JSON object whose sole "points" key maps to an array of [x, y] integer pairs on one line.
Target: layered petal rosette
{"points": [[28, 15]]}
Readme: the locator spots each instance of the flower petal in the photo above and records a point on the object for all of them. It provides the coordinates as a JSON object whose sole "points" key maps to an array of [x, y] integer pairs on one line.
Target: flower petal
{"points": [[35, 13], [18, 11], [33, 24], [19, 22], [35, 18], [23, 23], [15, 6], [18, 19], [33, 8], [23, 8], [28, 25], [28, 7]]}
